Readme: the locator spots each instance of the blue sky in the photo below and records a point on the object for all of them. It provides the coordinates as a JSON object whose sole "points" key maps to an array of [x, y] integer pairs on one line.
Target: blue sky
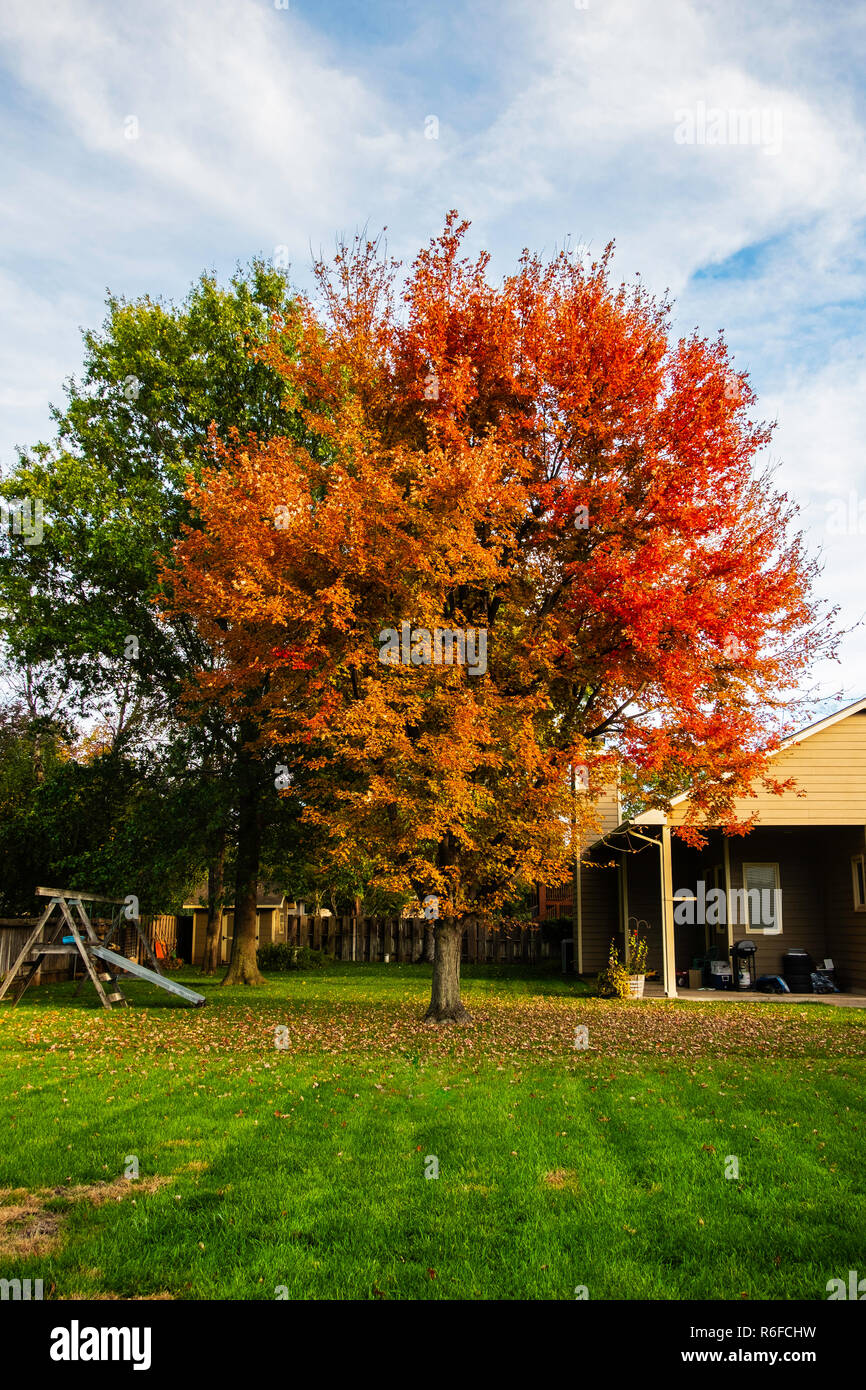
{"points": [[260, 127]]}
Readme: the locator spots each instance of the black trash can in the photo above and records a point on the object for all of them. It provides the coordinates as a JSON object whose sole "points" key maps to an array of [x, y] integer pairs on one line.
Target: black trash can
{"points": [[797, 967], [743, 964]]}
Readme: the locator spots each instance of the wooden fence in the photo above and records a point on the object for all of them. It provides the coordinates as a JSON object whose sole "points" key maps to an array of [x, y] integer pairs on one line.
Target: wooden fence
{"points": [[401, 939], [14, 931], [363, 939]]}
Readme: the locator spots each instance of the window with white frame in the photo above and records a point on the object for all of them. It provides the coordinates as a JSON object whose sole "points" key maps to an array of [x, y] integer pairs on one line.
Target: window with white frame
{"points": [[858, 877], [758, 904]]}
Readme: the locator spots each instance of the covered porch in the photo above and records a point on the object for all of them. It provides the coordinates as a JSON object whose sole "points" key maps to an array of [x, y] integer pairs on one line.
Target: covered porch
{"points": [[779, 887]]}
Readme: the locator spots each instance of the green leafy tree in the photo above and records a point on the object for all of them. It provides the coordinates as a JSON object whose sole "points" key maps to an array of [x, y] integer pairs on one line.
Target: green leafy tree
{"points": [[160, 382]]}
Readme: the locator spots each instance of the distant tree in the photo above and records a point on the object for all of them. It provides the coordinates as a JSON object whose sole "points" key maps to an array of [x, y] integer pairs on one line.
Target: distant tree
{"points": [[94, 818], [158, 383]]}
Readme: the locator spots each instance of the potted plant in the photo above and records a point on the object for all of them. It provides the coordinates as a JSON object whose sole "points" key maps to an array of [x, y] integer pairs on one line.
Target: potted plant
{"points": [[636, 963]]}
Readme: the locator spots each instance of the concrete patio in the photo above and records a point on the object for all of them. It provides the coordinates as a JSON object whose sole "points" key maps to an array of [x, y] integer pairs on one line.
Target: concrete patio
{"points": [[654, 990]]}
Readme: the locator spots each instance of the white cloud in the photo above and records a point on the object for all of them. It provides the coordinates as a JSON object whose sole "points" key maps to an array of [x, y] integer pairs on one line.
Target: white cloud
{"points": [[236, 109], [821, 443], [252, 135], [591, 136]]}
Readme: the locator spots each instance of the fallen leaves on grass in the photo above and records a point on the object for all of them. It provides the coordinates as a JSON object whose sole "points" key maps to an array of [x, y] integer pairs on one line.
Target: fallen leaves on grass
{"points": [[528, 1029]]}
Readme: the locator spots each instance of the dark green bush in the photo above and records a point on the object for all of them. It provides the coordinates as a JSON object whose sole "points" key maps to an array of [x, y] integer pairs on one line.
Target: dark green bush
{"points": [[279, 955]]}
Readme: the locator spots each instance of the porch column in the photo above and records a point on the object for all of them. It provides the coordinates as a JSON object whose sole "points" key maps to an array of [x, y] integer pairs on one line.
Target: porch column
{"points": [[623, 902], [577, 920], [669, 973], [729, 921]]}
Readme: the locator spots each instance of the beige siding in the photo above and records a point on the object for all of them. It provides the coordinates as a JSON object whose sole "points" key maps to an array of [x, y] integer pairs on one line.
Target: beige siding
{"points": [[599, 910], [829, 803], [263, 929], [810, 832], [830, 769], [607, 813], [691, 867], [599, 886]]}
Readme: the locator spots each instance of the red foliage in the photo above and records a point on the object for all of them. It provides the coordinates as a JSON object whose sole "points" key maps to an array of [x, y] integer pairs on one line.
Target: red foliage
{"points": [[537, 459]]}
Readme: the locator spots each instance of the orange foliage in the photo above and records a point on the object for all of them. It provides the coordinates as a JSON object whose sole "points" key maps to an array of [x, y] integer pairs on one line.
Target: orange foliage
{"points": [[536, 459]]}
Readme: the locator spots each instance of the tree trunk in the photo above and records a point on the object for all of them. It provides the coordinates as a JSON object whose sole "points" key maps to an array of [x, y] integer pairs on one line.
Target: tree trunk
{"points": [[428, 954], [38, 764], [243, 969], [215, 895], [445, 1003]]}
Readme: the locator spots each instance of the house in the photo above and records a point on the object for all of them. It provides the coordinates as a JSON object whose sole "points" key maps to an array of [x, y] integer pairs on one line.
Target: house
{"points": [[272, 909], [797, 880]]}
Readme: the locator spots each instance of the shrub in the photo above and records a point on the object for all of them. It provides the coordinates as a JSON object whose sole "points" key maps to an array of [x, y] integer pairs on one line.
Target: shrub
{"points": [[279, 955], [307, 959], [614, 979]]}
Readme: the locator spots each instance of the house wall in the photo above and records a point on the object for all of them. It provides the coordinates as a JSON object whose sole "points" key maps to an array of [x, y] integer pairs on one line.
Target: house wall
{"points": [[607, 812], [265, 923], [818, 912], [800, 854], [642, 869], [830, 769], [845, 926], [199, 932], [599, 903], [599, 908], [601, 888], [270, 926], [689, 867], [264, 916], [811, 832]]}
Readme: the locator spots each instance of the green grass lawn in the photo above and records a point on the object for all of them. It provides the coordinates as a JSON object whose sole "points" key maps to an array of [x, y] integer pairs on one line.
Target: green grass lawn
{"points": [[262, 1168]]}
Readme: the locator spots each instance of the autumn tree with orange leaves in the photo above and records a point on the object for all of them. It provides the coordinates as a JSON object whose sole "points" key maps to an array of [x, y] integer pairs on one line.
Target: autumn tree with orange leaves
{"points": [[535, 461]]}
